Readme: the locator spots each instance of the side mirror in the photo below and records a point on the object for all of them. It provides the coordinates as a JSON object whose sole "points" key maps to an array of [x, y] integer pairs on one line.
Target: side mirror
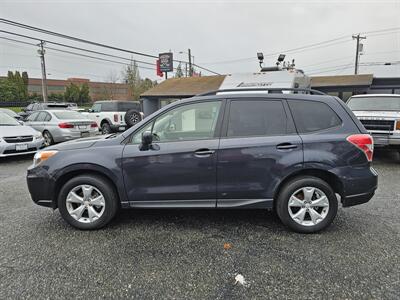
{"points": [[147, 139], [90, 110]]}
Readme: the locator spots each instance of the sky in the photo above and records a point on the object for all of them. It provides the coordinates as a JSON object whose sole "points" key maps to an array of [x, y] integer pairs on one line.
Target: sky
{"points": [[224, 36]]}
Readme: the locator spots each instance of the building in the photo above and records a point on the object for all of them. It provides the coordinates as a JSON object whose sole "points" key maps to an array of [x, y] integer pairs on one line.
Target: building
{"points": [[97, 90], [342, 86]]}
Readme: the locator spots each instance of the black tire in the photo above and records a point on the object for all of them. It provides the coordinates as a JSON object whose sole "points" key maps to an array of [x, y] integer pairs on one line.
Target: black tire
{"points": [[296, 184], [48, 138], [110, 198], [132, 117], [106, 128]]}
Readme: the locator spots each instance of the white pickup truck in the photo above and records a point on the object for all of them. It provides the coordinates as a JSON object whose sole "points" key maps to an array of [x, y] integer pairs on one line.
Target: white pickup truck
{"points": [[380, 115], [114, 116]]}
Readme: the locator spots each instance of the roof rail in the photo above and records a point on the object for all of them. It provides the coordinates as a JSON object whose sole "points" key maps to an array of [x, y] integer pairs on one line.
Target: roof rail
{"points": [[269, 90]]}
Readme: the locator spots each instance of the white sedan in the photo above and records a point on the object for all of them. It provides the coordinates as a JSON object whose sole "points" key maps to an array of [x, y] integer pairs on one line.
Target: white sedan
{"points": [[17, 139]]}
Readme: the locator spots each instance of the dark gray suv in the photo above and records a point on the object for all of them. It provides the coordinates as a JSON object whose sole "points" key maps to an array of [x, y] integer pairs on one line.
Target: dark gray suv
{"points": [[299, 154]]}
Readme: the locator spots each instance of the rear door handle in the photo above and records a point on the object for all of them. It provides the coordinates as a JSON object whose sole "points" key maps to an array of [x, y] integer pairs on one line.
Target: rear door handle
{"points": [[204, 152], [286, 146]]}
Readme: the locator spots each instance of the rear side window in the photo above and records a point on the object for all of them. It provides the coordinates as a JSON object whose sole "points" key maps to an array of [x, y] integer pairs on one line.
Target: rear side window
{"points": [[109, 106], [311, 116], [256, 118], [41, 117]]}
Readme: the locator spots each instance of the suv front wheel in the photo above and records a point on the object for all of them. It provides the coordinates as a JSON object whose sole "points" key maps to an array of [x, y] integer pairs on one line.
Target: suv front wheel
{"points": [[88, 202], [307, 204]]}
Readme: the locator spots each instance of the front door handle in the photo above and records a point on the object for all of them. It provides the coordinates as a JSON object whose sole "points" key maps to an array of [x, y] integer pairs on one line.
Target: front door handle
{"points": [[204, 152], [286, 146]]}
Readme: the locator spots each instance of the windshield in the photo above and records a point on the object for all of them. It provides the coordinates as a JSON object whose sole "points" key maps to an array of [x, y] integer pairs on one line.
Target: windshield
{"points": [[8, 112], [68, 115], [375, 103], [6, 120]]}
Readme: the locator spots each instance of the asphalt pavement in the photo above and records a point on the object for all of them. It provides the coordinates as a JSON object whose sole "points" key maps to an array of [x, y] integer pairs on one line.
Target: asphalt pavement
{"points": [[189, 254]]}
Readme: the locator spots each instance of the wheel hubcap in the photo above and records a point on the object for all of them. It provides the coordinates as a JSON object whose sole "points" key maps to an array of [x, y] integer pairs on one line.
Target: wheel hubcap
{"points": [[308, 206], [85, 203]]}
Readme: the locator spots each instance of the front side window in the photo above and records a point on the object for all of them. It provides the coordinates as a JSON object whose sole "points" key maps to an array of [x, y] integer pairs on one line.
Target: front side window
{"points": [[256, 118], [311, 116], [96, 107], [188, 122]]}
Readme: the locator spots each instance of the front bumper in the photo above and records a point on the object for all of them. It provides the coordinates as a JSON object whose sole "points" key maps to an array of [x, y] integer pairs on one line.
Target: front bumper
{"points": [[41, 186], [10, 149], [386, 140]]}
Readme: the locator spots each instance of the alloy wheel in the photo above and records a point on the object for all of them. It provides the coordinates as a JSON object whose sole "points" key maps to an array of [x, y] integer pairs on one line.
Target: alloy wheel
{"points": [[85, 203], [308, 206]]}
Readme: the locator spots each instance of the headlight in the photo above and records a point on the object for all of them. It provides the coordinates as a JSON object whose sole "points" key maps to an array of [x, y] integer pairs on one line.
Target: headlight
{"points": [[42, 156], [38, 135]]}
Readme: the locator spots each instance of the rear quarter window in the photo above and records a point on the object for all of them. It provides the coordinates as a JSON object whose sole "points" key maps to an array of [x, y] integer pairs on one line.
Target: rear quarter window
{"points": [[311, 116]]}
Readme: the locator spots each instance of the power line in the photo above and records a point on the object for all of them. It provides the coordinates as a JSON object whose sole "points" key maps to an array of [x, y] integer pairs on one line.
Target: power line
{"points": [[45, 31], [12, 23], [80, 54], [323, 44]]}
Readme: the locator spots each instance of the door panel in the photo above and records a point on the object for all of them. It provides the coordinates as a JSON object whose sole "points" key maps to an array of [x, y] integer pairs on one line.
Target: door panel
{"points": [[180, 167], [251, 168], [174, 172], [259, 149]]}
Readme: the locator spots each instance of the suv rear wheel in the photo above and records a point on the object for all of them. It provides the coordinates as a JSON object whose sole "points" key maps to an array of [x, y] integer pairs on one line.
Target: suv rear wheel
{"points": [[87, 202], [307, 204]]}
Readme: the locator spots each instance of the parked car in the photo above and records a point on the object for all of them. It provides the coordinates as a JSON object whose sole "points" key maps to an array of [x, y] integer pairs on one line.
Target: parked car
{"points": [[114, 116], [41, 106], [17, 139], [297, 153], [11, 113], [61, 125], [380, 115]]}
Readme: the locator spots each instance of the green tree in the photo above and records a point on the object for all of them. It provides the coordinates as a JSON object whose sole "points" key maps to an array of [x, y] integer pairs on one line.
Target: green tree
{"points": [[77, 94], [13, 88], [136, 84], [72, 93], [179, 72]]}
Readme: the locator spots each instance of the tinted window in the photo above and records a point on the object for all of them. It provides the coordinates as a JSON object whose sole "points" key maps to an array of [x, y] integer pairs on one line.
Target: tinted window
{"points": [[256, 118], [125, 106], [187, 122], [312, 116], [109, 106]]}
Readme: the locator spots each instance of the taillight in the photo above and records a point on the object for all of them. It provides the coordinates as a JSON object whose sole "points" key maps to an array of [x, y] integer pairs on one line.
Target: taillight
{"points": [[66, 125], [93, 125], [115, 117], [364, 142], [398, 125]]}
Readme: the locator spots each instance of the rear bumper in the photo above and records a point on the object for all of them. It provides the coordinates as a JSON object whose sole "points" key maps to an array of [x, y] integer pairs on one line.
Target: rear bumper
{"points": [[41, 187], [357, 199], [118, 128], [360, 188]]}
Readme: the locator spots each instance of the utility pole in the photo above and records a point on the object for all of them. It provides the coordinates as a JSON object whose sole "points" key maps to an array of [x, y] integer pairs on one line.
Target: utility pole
{"points": [[190, 64], [358, 37], [41, 52]]}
